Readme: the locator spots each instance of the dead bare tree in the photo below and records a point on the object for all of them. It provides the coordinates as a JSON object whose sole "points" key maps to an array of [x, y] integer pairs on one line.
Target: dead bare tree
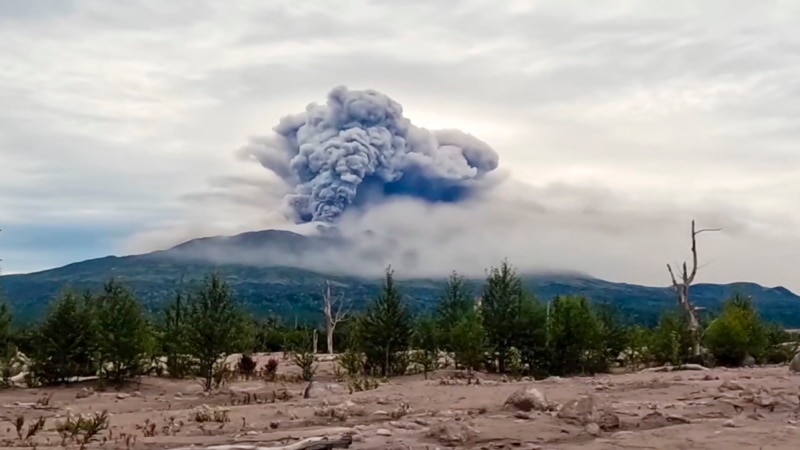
{"points": [[682, 285], [335, 313]]}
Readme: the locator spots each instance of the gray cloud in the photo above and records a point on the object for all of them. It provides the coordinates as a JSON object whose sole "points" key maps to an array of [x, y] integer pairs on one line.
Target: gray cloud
{"points": [[616, 124]]}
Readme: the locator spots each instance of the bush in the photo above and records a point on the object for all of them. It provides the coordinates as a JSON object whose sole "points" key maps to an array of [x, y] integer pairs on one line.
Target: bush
{"points": [[246, 365], [270, 370], [738, 332]]}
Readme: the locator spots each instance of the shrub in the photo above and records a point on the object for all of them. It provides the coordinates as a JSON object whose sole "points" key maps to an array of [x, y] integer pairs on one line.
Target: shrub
{"points": [[246, 365]]}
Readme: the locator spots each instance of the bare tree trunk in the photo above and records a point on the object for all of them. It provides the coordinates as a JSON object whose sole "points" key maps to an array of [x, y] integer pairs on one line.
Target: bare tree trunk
{"points": [[315, 341], [682, 286], [334, 313]]}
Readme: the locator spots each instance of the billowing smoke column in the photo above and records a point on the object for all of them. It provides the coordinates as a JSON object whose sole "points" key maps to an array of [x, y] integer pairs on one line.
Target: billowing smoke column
{"points": [[359, 149]]}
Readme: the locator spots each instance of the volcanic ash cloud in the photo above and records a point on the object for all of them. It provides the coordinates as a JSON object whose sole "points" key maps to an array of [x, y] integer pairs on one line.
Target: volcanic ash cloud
{"points": [[358, 149]]}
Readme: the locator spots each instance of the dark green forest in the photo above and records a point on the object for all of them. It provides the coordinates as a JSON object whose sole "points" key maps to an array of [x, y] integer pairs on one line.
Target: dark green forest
{"points": [[110, 333]]}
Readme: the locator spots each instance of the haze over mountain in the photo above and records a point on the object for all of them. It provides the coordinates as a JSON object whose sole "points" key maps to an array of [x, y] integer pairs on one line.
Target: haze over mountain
{"points": [[612, 127], [270, 274]]}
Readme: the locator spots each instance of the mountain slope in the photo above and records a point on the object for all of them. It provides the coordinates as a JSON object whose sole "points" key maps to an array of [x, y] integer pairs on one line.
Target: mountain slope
{"points": [[267, 287]]}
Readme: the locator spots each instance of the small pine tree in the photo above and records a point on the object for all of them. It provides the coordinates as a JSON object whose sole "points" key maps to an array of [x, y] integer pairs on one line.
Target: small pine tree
{"points": [[456, 302], [469, 342], [576, 343], [214, 327], [672, 339], [385, 330], [66, 342], [125, 337], [173, 338], [500, 306], [5, 330], [425, 341]]}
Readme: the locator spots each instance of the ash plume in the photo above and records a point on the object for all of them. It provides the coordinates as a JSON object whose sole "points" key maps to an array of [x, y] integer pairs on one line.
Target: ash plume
{"points": [[358, 149]]}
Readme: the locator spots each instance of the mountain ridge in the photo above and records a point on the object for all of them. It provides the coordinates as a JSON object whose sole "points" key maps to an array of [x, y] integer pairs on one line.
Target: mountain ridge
{"points": [[268, 281]]}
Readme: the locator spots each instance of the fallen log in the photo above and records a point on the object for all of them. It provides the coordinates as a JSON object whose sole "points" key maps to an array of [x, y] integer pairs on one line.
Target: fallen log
{"points": [[674, 368], [312, 443]]}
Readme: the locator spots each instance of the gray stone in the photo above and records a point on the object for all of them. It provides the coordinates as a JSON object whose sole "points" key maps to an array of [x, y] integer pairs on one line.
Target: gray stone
{"points": [[794, 366], [529, 399]]}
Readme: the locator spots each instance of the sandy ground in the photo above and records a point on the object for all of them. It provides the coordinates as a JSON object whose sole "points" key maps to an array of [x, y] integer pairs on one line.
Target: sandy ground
{"points": [[715, 409]]}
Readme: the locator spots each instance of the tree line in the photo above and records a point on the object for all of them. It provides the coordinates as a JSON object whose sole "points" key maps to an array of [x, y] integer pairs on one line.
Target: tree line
{"points": [[503, 328]]}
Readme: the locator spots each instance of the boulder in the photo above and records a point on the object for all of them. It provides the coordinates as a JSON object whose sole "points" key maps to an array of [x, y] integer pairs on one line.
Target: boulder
{"points": [[586, 409], [322, 390], [452, 433], [794, 366], [528, 399]]}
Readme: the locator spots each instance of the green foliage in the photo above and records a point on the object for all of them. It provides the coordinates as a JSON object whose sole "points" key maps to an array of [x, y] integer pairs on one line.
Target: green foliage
{"points": [[529, 336], [455, 302], [290, 292], [638, 351], [671, 340], [576, 338], [501, 303], [512, 332], [469, 341], [301, 352], [214, 327], [736, 333], [6, 345], [384, 331], [425, 341], [125, 339], [515, 366], [82, 429], [173, 339], [66, 342], [780, 348]]}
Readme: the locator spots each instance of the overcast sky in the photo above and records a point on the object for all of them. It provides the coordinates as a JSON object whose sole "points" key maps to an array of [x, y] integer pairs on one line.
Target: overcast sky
{"points": [[120, 123]]}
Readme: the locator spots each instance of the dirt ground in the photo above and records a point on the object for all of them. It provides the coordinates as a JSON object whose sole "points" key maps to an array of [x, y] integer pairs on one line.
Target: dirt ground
{"points": [[728, 409]]}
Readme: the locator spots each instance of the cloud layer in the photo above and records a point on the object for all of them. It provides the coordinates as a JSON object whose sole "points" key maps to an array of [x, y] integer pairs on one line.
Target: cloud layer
{"points": [[616, 125]]}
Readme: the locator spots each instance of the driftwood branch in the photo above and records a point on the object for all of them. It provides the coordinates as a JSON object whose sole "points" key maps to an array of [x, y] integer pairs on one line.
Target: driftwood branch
{"points": [[674, 368], [312, 443]]}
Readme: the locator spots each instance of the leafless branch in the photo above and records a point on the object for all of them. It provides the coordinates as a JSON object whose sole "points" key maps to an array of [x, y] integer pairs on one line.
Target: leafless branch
{"points": [[336, 311]]}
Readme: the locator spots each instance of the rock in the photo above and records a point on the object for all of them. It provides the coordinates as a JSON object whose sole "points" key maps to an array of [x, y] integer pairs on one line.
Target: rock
{"points": [[522, 415], [586, 409], [794, 366], [122, 395], [748, 361], [608, 421], [729, 424], [764, 400], [137, 394], [383, 432], [320, 390], [674, 418], [593, 429], [730, 385], [528, 399], [85, 392], [653, 420], [622, 434], [452, 433], [405, 425]]}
